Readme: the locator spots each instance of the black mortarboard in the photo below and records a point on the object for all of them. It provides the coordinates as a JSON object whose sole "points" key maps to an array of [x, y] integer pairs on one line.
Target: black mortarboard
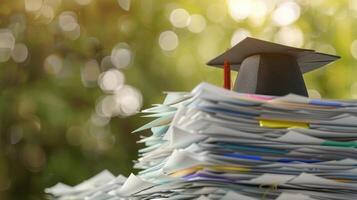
{"points": [[269, 68]]}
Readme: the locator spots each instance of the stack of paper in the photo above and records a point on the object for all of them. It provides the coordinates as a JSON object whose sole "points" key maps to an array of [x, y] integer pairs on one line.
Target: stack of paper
{"points": [[97, 187], [213, 143]]}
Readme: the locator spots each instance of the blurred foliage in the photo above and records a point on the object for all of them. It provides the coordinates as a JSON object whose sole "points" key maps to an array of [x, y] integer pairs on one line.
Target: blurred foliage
{"points": [[50, 127]]}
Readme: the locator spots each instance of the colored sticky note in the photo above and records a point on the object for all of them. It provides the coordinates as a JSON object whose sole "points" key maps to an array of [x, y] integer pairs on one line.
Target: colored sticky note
{"points": [[282, 124], [340, 144]]}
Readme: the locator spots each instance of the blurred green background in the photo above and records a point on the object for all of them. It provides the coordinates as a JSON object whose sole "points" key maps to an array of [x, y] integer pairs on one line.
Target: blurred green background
{"points": [[73, 73]]}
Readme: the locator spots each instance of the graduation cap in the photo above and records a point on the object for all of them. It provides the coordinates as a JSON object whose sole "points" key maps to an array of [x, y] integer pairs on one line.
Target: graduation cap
{"points": [[269, 68]]}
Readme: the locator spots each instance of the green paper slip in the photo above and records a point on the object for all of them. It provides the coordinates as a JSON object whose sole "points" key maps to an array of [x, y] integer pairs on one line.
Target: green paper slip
{"points": [[340, 144]]}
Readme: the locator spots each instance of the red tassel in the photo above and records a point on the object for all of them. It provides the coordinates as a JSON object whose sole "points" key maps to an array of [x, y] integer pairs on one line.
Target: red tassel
{"points": [[227, 75]]}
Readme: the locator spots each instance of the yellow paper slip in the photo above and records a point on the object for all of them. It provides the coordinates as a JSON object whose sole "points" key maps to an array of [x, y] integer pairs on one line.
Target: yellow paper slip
{"points": [[185, 172], [282, 124], [191, 170], [228, 168]]}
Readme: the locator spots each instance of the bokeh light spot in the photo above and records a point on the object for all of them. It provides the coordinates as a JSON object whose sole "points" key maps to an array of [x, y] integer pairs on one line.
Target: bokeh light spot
{"points": [[33, 5], [129, 100], [7, 39], [106, 63], [121, 55], [46, 14], [53, 64], [7, 43], [291, 36], [111, 80], [19, 53], [68, 21], [240, 9], [168, 40], [124, 4], [124, 102], [99, 120], [197, 23], [107, 107], [179, 18], [286, 13]]}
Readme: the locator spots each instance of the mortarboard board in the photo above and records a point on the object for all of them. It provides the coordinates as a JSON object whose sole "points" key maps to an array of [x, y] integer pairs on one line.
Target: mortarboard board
{"points": [[269, 68]]}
